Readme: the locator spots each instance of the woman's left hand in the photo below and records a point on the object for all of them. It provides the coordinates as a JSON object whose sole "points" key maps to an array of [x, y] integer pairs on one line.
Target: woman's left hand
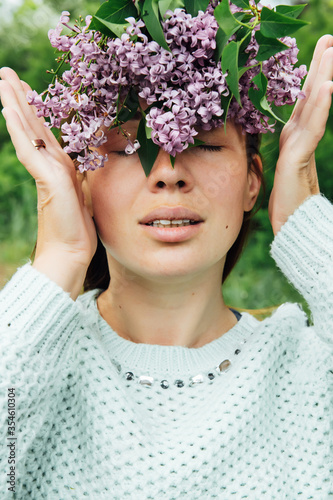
{"points": [[296, 175]]}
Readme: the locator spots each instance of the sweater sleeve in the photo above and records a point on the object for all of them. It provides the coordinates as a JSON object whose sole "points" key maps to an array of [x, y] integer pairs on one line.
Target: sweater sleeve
{"points": [[303, 250], [38, 321]]}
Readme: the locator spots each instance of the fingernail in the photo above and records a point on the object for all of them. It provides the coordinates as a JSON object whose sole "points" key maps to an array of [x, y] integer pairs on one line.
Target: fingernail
{"points": [[3, 111]]}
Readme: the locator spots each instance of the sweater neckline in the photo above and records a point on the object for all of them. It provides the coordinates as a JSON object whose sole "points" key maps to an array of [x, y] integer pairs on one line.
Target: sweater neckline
{"points": [[156, 360]]}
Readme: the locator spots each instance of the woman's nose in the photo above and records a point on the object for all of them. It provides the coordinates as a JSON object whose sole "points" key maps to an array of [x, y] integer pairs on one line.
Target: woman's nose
{"points": [[165, 176]]}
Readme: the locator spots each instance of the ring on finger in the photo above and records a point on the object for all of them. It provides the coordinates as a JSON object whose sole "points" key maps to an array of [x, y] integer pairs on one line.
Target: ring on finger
{"points": [[38, 143]]}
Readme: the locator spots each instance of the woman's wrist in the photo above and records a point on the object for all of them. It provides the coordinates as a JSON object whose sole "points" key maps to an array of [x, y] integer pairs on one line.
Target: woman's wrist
{"points": [[68, 274]]}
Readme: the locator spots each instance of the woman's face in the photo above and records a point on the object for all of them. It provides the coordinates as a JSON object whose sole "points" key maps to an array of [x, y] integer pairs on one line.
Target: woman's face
{"points": [[212, 182]]}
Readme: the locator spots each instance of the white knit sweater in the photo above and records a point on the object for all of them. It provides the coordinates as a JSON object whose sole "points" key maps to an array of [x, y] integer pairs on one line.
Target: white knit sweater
{"points": [[85, 428]]}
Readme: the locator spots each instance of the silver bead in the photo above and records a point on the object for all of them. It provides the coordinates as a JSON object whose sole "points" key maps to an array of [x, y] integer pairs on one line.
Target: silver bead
{"points": [[197, 379], [164, 384], [224, 366], [179, 383], [146, 380], [129, 376]]}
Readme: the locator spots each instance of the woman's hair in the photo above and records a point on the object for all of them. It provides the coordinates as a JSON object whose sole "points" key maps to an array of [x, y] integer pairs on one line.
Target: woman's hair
{"points": [[98, 276]]}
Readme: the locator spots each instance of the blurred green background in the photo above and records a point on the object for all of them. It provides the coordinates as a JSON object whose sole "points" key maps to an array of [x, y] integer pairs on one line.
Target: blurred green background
{"points": [[24, 46]]}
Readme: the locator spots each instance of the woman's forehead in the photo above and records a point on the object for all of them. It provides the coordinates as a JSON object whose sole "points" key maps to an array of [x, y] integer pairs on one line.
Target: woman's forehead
{"points": [[231, 130]]}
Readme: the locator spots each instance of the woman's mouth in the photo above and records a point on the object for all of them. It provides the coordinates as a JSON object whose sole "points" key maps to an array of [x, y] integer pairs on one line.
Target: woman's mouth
{"points": [[172, 223], [172, 231]]}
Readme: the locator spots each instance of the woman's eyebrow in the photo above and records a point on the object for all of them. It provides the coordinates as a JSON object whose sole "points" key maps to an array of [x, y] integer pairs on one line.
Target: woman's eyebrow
{"points": [[207, 136]]}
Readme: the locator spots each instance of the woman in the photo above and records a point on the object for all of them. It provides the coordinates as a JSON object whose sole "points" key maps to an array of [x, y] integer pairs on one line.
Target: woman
{"points": [[154, 388]]}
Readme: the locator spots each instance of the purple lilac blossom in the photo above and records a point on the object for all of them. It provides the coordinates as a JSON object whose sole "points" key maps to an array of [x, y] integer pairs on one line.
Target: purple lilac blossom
{"points": [[186, 82]]}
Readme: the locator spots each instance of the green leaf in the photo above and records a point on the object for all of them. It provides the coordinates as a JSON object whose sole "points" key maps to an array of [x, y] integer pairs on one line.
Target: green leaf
{"points": [[221, 40], [290, 10], [225, 103], [148, 150], [229, 63], [244, 36], [193, 6], [268, 46], [276, 25], [242, 17], [227, 22], [148, 131], [172, 161], [243, 4], [260, 81], [258, 97], [245, 69], [129, 107], [139, 5], [165, 5], [228, 25], [150, 16], [112, 30], [113, 12], [196, 143]]}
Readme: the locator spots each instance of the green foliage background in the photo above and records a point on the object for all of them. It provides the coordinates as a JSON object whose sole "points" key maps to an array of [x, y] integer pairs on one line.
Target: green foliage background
{"points": [[24, 46]]}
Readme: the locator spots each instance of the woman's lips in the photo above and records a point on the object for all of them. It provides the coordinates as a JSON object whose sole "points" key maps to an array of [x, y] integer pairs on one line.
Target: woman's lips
{"points": [[171, 213], [173, 234]]}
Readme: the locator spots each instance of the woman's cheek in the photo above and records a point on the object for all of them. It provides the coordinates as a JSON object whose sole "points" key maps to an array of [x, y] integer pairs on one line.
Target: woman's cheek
{"points": [[112, 213], [231, 201]]}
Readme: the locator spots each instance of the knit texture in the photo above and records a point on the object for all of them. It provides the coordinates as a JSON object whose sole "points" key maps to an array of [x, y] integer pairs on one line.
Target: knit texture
{"points": [[87, 428]]}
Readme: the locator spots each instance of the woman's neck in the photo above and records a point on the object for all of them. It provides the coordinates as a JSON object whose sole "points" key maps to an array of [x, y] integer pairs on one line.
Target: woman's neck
{"points": [[181, 311]]}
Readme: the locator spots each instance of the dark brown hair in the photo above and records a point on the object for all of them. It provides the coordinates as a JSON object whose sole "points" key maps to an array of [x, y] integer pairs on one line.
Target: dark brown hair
{"points": [[98, 271]]}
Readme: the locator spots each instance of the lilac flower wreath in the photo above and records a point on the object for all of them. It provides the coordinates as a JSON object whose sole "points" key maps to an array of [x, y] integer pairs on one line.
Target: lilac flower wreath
{"points": [[194, 62]]}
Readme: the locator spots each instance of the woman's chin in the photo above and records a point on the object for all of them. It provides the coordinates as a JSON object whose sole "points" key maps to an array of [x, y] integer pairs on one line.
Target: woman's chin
{"points": [[173, 272]]}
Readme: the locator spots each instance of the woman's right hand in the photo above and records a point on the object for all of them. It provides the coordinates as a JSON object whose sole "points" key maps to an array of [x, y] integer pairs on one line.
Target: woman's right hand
{"points": [[66, 240]]}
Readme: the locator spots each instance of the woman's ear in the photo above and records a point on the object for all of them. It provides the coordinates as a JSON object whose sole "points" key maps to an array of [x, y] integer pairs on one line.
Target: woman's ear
{"points": [[253, 183], [86, 193]]}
